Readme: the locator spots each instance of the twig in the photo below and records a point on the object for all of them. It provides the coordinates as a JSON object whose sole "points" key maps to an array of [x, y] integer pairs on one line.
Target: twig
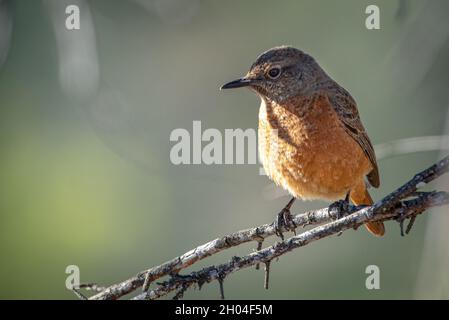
{"points": [[79, 294], [410, 224], [267, 274], [220, 282], [187, 259], [211, 273], [87, 286], [385, 209], [91, 287], [259, 247]]}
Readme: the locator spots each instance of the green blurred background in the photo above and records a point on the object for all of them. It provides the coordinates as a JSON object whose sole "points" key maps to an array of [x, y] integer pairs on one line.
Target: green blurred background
{"points": [[85, 120]]}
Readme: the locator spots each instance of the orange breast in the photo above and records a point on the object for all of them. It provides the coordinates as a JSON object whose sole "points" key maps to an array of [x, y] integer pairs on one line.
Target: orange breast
{"points": [[305, 150]]}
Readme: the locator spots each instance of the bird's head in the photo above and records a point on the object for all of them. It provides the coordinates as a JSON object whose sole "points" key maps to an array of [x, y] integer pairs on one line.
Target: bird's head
{"points": [[279, 74]]}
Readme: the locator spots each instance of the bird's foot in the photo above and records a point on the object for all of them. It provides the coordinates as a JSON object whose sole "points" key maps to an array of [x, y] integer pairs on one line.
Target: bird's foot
{"points": [[339, 208], [284, 221], [402, 217]]}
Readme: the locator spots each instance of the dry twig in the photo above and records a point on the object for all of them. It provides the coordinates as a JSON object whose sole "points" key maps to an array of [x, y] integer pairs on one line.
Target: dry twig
{"points": [[403, 203]]}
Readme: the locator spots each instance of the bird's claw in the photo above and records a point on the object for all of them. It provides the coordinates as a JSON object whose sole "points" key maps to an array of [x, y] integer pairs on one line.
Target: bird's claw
{"points": [[402, 216], [284, 220], [339, 208]]}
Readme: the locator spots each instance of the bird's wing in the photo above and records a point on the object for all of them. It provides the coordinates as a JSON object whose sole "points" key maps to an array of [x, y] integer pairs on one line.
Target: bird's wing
{"points": [[346, 109]]}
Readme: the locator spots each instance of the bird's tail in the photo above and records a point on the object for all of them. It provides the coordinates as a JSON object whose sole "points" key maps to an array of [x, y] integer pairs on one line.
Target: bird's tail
{"points": [[360, 196]]}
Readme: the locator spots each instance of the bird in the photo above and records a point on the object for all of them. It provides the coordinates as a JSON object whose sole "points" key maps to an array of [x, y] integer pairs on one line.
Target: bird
{"points": [[311, 140]]}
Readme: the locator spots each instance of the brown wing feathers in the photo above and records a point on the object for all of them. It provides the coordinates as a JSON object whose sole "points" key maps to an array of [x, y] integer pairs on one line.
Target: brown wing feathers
{"points": [[346, 110]]}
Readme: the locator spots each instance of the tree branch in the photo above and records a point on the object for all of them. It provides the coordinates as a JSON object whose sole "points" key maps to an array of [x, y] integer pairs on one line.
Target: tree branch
{"points": [[394, 206]]}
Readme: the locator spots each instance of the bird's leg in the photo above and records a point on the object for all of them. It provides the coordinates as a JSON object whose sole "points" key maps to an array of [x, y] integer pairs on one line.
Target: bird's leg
{"points": [[284, 220], [338, 208]]}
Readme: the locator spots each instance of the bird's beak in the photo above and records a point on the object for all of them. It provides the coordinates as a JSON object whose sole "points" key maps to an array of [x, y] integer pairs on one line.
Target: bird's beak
{"points": [[239, 83]]}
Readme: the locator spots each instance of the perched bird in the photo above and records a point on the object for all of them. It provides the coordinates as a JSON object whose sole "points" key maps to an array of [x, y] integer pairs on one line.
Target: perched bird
{"points": [[311, 139]]}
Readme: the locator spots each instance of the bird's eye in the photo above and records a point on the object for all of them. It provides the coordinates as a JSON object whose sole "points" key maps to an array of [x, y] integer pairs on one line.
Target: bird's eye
{"points": [[274, 72]]}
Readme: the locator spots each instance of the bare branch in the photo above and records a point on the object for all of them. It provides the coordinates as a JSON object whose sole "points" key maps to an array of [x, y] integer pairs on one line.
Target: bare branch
{"points": [[206, 275], [394, 206]]}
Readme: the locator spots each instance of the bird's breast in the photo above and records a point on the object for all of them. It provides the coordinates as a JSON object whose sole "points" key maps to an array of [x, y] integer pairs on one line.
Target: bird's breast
{"points": [[304, 149]]}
